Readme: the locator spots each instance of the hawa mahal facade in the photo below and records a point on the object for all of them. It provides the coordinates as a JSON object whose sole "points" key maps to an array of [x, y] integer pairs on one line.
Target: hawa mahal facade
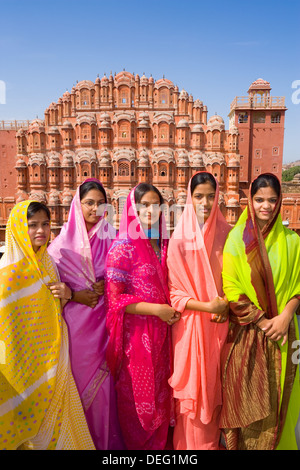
{"points": [[126, 129]]}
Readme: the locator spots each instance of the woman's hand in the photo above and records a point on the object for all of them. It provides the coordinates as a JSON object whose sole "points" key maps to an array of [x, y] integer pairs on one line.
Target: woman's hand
{"points": [[60, 290], [219, 307], [98, 287], [86, 297], [276, 328], [166, 313]]}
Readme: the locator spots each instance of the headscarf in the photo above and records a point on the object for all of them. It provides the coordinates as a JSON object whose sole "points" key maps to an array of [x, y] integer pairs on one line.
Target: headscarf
{"points": [[195, 265], [72, 249], [35, 377]]}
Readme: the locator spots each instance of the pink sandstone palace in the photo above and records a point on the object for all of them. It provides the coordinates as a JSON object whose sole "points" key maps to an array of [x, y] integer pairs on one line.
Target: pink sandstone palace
{"points": [[126, 129]]}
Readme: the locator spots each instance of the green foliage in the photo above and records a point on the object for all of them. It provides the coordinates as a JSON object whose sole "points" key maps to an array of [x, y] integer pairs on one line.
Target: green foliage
{"points": [[288, 175]]}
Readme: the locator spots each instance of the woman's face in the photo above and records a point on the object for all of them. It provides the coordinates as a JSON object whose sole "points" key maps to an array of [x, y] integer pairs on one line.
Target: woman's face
{"points": [[92, 203], [149, 209], [264, 202], [38, 229], [203, 200]]}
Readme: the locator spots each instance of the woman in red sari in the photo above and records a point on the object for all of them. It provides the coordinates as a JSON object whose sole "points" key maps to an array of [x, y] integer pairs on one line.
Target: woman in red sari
{"points": [[139, 316]]}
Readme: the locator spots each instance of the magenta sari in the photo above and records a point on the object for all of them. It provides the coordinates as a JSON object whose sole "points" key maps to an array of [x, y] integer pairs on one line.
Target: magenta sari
{"points": [[139, 348], [80, 259]]}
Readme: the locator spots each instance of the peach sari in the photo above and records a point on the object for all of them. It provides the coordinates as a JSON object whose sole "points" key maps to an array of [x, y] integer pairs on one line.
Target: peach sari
{"points": [[195, 266]]}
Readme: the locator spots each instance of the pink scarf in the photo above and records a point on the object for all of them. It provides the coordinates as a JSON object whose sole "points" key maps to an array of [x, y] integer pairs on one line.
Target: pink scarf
{"points": [[71, 250], [142, 342], [195, 266]]}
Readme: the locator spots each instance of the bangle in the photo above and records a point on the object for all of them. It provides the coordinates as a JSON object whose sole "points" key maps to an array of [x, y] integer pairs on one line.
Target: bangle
{"points": [[72, 295]]}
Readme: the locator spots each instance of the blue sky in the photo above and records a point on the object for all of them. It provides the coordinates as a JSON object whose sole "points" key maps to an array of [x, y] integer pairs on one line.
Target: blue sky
{"points": [[212, 49]]}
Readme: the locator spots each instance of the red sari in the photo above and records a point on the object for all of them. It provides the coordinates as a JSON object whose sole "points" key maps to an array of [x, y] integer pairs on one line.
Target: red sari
{"points": [[139, 348]]}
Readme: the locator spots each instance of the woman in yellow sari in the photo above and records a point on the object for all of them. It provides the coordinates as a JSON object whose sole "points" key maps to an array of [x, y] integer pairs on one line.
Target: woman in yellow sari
{"points": [[39, 404], [261, 279]]}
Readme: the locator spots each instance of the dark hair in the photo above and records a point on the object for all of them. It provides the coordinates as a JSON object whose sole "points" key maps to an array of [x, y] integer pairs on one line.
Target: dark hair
{"points": [[201, 178], [35, 207], [144, 188], [264, 181], [88, 186]]}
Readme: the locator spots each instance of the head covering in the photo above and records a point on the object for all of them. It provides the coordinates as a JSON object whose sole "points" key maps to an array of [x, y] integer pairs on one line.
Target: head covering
{"points": [[71, 250], [195, 265], [34, 371]]}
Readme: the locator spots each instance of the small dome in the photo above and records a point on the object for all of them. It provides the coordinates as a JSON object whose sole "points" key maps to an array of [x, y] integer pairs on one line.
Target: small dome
{"points": [[144, 80], [216, 122], [232, 202], [20, 163], [183, 123], [259, 84], [197, 128], [183, 95]]}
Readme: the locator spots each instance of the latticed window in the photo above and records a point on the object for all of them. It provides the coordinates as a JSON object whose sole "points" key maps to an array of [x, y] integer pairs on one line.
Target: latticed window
{"points": [[85, 132], [163, 171], [275, 118], [123, 169], [85, 99]]}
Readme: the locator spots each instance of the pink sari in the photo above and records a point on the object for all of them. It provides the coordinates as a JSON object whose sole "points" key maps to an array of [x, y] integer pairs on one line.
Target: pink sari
{"points": [[195, 266], [139, 348], [80, 258]]}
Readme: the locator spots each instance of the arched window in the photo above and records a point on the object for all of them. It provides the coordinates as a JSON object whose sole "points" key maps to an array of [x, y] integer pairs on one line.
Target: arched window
{"points": [[124, 96], [163, 132], [85, 98], [85, 132], [164, 97], [163, 169], [124, 130], [123, 169]]}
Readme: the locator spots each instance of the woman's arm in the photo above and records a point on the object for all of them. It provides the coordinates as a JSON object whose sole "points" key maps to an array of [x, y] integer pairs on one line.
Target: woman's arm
{"points": [[163, 311], [218, 306]]}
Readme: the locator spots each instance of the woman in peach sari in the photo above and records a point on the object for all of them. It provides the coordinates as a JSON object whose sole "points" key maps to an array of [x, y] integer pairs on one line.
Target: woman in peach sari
{"points": [[195, 265]]}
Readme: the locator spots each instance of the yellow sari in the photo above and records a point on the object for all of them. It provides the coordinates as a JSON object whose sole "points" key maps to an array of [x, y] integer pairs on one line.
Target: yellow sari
{"points": [[261, 390], [39, 404]]}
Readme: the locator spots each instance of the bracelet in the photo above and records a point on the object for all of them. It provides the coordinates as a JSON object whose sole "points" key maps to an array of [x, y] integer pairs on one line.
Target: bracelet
{"points": [[72, 295]]}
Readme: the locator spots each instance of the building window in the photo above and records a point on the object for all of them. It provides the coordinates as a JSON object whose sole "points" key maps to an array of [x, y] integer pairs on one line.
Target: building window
{"points": [[163, 171], [259, 117], [275, 118], [123, 169], [243, 117], [258, 153]]}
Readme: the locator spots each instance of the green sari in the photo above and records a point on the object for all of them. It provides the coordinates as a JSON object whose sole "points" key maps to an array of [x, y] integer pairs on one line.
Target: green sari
{"points": [[261, 390]]}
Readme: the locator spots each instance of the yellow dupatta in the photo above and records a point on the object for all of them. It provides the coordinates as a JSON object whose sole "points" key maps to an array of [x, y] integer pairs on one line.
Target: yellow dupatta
{"points": [[260, 275], [39, 404]]}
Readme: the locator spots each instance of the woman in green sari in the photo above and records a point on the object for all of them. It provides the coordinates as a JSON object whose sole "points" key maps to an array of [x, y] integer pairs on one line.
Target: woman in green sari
{"points": [[261, 280]]}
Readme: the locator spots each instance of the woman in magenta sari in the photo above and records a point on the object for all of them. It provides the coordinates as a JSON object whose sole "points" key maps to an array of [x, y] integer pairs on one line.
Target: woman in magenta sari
{"points": [[79, 252], [139, 317]]}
